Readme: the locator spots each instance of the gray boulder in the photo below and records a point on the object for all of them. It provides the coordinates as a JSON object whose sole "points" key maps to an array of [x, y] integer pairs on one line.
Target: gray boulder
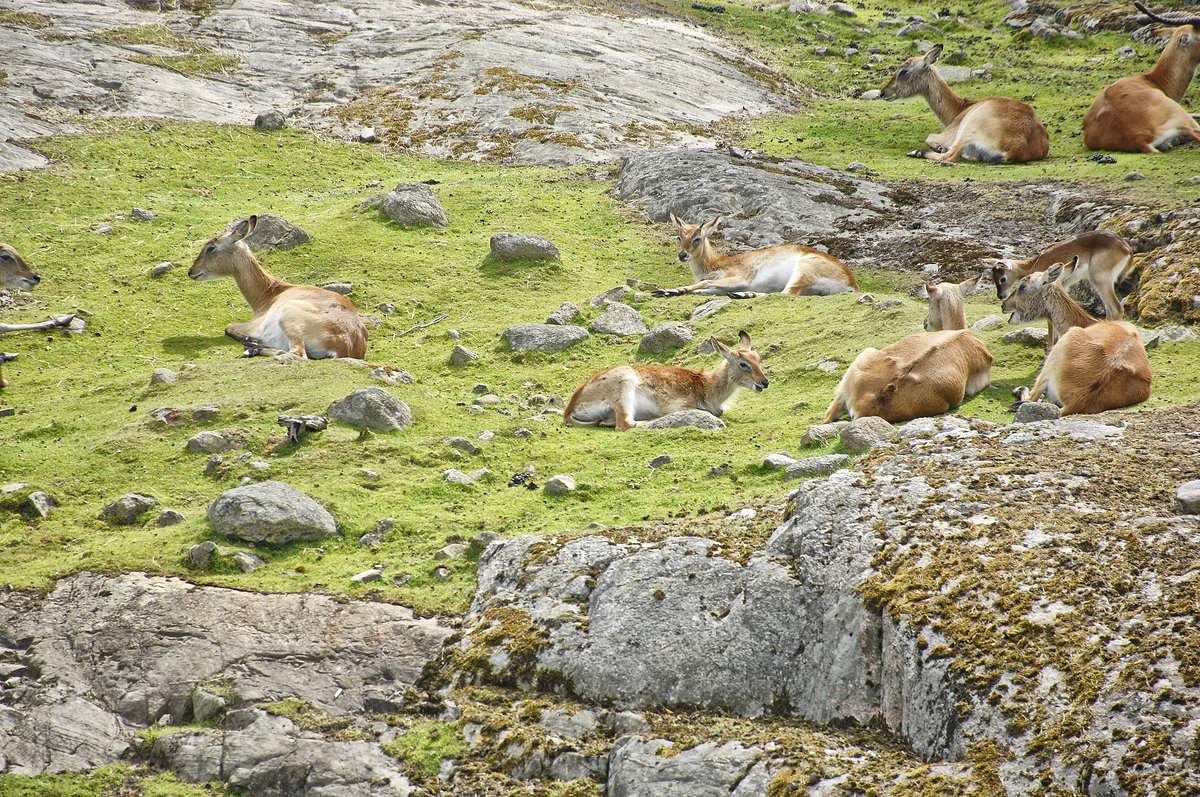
{"points": [[778, 459], [665, 336], [564, 315], [271, 512], [410, 204], [816, 466], [989, 322], [619, 319], [559, 485], [461, 355], [1187, 496], [617, 294], [164, 376], [271, 232], [481, 541], [373, 408], [821, 433], [128, 509], [269, 120], [523, 246], [1027, 335], [1034, 411], [677, 420], [544, 337], [638, 767], [867, 432], [210, 442]]}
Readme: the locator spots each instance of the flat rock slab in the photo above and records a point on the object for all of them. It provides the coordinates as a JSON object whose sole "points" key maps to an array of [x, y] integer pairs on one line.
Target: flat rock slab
{"points": [[510, 56], [108, 656]]}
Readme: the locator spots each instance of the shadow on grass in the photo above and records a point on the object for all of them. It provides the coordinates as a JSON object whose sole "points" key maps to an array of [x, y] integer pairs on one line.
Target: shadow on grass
{"points": [[191, 345]]}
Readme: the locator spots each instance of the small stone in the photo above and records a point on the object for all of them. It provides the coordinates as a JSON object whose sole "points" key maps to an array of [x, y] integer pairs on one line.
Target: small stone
{"points": [[488, 400], [989, 322], [914, 28], [104, 229], [452, 551], [410, 204], [372, 408], [1134, 177], [462, 444], [618, 319], [522, 432], [170, 517], [1187, 495], [660, 461], [558, 485], [41, 504], [481, 541], [368, 474], [522, 246], [200, 555], [141, 214], [545, 337], [617, 294], [666, 336], [126, 510], [887, 304], [485, 436], [779, 459], [1034, 411], [259, 465], [162, 268], [872, 94], [1027, 335], [440, 573], [821, 433], [749, 513], [270, 120], [164, 376], [367, 576], [719, 470], [456, 476], [857, 166], [829, 366], [816, 466], [675, 420], [564, 314], [370, 539], [214, 465], [867, 432], [210, 442], [461, 355], [842, 10], [367, 135], [204, 413], [344, 288], [247, 562]]}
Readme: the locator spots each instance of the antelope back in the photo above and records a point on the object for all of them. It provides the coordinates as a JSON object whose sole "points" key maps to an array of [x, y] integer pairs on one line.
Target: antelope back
{"points": [[13, 271]]}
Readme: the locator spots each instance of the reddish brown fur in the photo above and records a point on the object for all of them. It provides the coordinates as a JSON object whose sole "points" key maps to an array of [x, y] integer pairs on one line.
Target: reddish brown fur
{"points": [[919, 375], [303, 320], [1099, 256], [1142, 113], [1096, 368], [990, 130], [788, 268], [623, 395]]}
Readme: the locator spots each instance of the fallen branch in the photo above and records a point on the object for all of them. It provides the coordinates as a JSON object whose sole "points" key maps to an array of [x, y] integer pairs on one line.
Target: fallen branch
{"points": [[56, 321], [442, 317]]}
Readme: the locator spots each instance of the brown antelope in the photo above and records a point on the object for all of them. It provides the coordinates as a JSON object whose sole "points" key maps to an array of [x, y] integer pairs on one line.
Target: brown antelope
{"points": [[1100, 257], [627, 395], [1095, 365], [946, 308], [788, 268], [991, 130], [919, 375], [1142, 113], [303, 320], [1032, 299]]}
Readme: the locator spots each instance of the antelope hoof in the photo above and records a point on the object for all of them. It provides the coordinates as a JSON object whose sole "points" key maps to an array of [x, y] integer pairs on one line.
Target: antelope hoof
{"points": [[667, 292], [917, 153], [742, 295], [252, 350]]}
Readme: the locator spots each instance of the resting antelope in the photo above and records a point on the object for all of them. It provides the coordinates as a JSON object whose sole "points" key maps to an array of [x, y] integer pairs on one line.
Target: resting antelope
{"points": [[304, 320], [1099, 256], [15, 274], [946, 308], [991, 130], [1095, 365], [626, 395], [922, 374], [788, 268], [1142, 113]]}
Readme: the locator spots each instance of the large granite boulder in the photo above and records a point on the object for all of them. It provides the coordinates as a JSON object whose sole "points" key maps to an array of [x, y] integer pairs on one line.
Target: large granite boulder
{"points": [[373, 408], [271, 512]]}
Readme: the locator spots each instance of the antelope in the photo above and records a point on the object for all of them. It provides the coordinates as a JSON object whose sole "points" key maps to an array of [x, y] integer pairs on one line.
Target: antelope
{"points": [[1095, 365], [626, 396], [922, 374], [15, 274], [1099, 256], [991, 130], [946, 308], [788, 268], [1142, 113], [303, 320]]}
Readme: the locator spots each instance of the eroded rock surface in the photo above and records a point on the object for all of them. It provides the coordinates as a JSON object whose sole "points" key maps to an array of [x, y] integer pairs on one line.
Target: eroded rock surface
{"points": [[100, 658]]}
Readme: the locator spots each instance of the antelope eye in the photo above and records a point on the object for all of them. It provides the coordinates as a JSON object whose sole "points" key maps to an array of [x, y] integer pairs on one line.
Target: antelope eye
{"points": [[6, 256], [903, 71], [744, 366], [697, 239], [208, 250]]}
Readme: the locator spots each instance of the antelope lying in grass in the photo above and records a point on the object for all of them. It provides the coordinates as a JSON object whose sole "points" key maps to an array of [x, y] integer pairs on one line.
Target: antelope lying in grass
{"points": [[303, 320], [788, 268], [1095, 366], [1099, 256], [627, 395], [16, 275], [946, 308], [1142, 113], [922, 374], [991, 130]]}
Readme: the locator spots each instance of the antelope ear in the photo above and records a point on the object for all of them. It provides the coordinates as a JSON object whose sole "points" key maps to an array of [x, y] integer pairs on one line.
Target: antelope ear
{"points": [[933, 54], [991, 262], [678, 221], [244, 228], [931, 288], [712, 225], [743, 340], [1053, 273], [1164, 33], [723, 350], [969, 286]]}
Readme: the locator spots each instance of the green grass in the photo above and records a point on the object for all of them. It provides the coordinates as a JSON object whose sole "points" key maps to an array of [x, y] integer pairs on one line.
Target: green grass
{"points": [[106, 782], [423, 746]]}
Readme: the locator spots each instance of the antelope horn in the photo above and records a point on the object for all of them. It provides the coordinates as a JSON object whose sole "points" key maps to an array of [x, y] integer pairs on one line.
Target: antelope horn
{"points": [[1175, 18]]}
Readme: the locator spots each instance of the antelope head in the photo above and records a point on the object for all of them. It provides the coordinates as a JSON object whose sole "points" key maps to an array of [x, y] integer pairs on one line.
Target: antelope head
{"points": [[1025, 301], [911, 77], [692, 236], [743, 363], [13, 271], [217, 258], [1004, 275]]}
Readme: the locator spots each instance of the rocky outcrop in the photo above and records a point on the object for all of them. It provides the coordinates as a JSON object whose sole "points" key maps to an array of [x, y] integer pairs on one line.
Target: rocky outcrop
{"points": [[941, 587], [98, 658]]}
